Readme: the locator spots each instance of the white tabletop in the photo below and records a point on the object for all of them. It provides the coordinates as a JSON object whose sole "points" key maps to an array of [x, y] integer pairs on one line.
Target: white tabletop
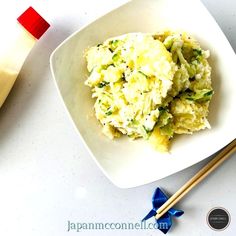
{"points": [[47, 177]]}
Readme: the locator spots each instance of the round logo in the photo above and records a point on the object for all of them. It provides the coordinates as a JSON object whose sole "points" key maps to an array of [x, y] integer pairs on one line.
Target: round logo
{"points": [[218, 218]]}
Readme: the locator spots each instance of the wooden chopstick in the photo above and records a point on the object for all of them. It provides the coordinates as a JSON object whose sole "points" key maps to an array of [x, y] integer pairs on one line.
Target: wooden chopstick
{"points": [[223, 155]]}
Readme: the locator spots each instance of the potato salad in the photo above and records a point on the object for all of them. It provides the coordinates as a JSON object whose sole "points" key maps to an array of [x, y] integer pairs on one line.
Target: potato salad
{"points": [[150, 86]]}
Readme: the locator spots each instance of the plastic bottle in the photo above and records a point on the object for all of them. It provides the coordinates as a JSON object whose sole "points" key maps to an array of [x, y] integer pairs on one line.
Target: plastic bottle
{"points": [[18, 42]]}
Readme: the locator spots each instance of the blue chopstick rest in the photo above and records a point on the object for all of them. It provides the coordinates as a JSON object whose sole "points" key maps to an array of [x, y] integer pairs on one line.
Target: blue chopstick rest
{"points": [[164, 223]]}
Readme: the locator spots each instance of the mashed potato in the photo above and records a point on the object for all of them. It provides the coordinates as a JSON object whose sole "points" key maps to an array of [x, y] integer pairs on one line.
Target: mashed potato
{"points": [[150, 86]]}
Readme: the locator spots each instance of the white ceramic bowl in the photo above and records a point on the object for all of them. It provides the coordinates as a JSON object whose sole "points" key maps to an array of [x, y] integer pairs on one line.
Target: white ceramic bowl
{"points": [[131, 163]]}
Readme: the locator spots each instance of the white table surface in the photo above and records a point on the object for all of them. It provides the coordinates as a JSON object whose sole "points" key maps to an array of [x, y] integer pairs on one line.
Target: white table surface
{"points": [[46, 175]]}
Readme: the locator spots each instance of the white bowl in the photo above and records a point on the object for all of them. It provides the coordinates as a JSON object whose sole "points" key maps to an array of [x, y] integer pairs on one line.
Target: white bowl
{"points": [[132, 163]]}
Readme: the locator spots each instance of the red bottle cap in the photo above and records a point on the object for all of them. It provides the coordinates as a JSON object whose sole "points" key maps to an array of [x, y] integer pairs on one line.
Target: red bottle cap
{"points": [[33, 22]]}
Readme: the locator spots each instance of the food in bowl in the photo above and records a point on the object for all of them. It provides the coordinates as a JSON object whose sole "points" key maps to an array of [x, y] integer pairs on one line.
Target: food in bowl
{"points": [[150, 86]]}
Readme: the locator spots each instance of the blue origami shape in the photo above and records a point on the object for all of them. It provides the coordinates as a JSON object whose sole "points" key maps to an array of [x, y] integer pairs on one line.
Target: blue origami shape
{"points": [[164, 223]]}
